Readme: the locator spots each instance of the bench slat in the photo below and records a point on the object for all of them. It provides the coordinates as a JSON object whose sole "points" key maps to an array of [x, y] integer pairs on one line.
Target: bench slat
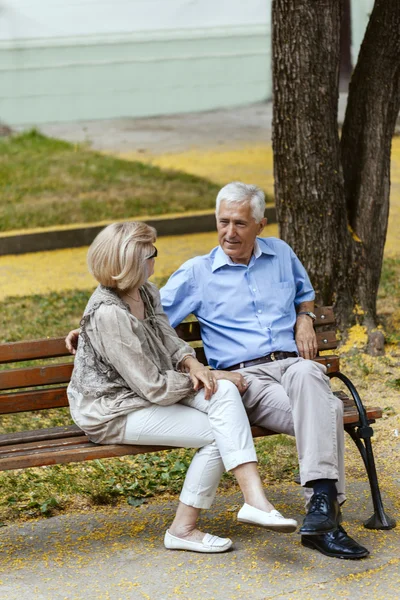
{"points": [[32, 376], [54, 433], [325, 316], [44, 444], [80, 449], [331, 362], [326, 340], [37, 435], [18, 351], [81, 452], [200, 355], [350, 417], [55, 347], [190, 332], [33, 400], [61, 373]]}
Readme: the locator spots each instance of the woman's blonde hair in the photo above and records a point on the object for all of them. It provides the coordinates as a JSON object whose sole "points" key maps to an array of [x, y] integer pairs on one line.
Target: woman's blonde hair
{"points": [[118, 254]]}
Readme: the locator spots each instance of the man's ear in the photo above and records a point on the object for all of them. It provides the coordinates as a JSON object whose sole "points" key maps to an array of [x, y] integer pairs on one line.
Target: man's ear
{"points": [[262, 224]]}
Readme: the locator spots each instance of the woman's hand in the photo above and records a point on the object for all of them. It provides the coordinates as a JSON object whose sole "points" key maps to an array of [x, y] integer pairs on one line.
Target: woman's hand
{"points": [[201, 376], [234, 377], [71, 341]]}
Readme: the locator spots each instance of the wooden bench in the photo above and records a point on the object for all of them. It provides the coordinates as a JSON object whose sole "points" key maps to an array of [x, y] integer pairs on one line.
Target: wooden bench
{"points": [[43, 386]]}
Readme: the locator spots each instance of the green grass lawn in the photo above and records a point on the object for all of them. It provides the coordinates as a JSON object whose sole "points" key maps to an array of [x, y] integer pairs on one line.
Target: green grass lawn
{"points": [[48, 182]]}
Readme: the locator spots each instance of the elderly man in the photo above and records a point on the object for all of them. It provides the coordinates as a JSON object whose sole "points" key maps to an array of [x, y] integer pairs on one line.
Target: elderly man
{"points": [[254, 302]]}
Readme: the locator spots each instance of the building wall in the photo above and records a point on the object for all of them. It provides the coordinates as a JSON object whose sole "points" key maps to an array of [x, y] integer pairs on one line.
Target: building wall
{"points": [[360, 13], [66, 60]]}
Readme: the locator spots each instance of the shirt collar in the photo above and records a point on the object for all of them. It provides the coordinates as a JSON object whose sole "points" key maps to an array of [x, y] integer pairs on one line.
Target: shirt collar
{"points": [[221, 259]]}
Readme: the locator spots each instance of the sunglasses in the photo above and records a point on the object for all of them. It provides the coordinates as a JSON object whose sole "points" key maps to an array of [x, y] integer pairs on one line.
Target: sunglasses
{"points": [[154, 255]]}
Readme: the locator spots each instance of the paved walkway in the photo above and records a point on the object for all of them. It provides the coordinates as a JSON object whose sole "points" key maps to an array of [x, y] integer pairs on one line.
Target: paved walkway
{"points": [[118, 554], [230, 127]]}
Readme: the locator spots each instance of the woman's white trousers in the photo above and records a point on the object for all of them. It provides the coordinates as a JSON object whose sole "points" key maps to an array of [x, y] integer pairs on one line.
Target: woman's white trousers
{"points": [[219, 427]]}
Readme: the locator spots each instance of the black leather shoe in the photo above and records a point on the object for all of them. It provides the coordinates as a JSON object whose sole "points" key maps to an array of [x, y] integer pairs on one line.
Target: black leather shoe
{"points": [[323, 515], [336, 544]]}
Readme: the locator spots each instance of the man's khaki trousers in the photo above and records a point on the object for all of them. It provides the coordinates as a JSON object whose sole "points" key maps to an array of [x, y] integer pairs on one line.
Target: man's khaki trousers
{"points": [[293, 396]]}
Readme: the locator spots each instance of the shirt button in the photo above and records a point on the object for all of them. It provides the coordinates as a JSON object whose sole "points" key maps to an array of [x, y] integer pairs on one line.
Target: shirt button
{"points": [[259, 312]]}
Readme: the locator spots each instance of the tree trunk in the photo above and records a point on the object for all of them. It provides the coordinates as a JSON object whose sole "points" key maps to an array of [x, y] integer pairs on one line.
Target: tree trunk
{"points": [[335, 219], [372, 109], [309, 189]]}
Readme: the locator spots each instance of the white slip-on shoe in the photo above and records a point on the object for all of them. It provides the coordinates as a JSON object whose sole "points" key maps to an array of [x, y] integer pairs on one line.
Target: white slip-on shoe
{"points": [[209, 543], [269, 520]]}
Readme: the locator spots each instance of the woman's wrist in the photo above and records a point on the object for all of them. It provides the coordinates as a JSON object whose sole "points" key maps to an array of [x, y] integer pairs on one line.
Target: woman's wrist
{"points": [[184, 364]]}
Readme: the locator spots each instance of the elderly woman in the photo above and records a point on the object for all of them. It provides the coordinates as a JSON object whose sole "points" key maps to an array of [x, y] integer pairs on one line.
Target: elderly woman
{"points": [[136, 382]]}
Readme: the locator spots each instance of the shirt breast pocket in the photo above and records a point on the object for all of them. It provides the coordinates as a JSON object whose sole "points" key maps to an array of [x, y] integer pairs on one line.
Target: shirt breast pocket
{"points": [[283, 295]]}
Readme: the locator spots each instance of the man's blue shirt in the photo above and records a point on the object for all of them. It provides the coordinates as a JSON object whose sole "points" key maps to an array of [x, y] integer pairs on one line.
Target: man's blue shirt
{"points": [[244, 311]]}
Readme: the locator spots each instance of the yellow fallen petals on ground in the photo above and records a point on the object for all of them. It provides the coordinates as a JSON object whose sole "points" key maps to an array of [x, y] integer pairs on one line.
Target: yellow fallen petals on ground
{"points": [[44, 272], [62, 270], [357, 338], [254, 164], [392, 247], [248, 163]]}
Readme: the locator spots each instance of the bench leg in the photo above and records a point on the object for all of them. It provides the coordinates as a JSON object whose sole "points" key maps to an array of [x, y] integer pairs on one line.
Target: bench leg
{"points": [[361, 435], [379, 520]]}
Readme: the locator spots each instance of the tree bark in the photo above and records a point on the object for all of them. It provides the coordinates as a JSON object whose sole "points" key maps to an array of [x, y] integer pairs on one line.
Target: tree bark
{"points": [[309, 190], [335, 218], [372, 109]]}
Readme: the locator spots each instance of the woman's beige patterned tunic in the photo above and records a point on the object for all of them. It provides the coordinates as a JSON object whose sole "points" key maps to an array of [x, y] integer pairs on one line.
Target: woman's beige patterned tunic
{"points": [[123, 364]]}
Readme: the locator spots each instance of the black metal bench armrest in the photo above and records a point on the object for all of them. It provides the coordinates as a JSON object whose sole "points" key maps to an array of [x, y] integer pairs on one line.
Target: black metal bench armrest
{"points": [[365, 430]]}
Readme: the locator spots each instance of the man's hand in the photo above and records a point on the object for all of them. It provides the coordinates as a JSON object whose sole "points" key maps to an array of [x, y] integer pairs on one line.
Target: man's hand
{"points": [[71, 341], [305, 337], [234, 377]]}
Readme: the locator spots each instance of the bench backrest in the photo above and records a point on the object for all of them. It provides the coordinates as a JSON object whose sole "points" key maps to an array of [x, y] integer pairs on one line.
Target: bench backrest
{"points": [[43, 385]]}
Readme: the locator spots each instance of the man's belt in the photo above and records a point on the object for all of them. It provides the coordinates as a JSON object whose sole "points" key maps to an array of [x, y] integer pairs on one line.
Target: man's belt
{"points": [[263, 359]]}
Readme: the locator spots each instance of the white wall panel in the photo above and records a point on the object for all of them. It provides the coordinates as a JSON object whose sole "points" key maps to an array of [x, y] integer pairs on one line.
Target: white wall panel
{"points": [[130, 77], [35, 19]]}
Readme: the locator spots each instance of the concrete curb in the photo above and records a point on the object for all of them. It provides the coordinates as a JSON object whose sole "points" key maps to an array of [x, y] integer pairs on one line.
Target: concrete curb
{"points": [[75, 237]]}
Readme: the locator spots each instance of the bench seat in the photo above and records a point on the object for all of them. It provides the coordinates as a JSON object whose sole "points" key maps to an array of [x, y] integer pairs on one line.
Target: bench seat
{"points": [[61, 445]]}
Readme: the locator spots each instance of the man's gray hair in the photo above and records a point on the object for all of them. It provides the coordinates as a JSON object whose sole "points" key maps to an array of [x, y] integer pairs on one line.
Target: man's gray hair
{"points": [[238, 192]]}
